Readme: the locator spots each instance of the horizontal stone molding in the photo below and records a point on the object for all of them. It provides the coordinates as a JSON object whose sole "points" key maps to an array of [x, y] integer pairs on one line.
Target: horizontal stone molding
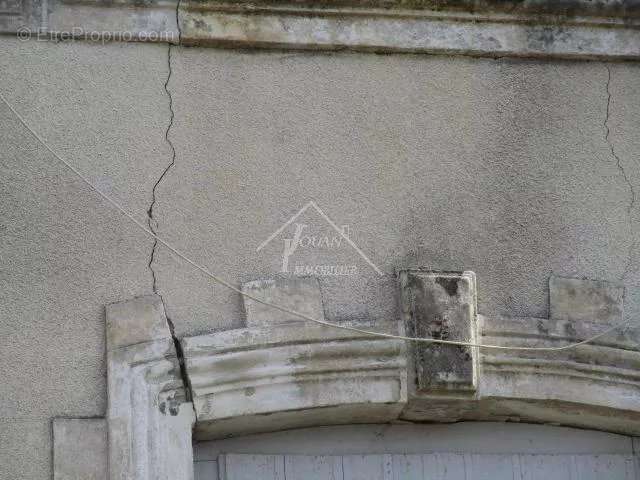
{"points": [[601, 380], [409, 31], [289, 376], [575, 29]]}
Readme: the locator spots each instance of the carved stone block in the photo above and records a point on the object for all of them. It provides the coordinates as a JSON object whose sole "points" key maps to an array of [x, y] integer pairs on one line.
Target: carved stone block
{"points": [[139, 320], [575, 299], [300, 294], [440, 305]]}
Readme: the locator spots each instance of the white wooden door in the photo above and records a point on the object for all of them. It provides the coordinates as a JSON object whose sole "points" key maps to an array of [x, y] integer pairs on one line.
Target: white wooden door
{"points": [[433, 466]]}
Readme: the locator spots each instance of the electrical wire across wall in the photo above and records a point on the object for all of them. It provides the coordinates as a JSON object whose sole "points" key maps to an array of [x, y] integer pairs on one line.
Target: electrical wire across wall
{"points": [[303, 316]]}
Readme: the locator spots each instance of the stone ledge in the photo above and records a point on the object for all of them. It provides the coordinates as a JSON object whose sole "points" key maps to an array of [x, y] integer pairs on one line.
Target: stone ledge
{"points": [[574, 29], [567, 8], [389, 30]]}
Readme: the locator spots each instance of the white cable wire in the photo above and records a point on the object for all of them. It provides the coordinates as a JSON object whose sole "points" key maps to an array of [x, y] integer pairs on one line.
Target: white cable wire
{"points": [[279, 307]]}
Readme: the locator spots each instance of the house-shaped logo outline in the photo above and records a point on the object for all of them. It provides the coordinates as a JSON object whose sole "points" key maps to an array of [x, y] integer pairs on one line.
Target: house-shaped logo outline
{"points": [[331, 223]]}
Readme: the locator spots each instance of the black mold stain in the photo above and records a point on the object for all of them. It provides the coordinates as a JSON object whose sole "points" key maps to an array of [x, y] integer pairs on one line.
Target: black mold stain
{"points": [[174, 407], [449, 284], [570, 330], [542, 329]]}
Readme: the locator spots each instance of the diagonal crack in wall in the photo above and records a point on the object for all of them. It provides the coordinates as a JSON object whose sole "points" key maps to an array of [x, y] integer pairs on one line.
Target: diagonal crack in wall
{"points": [[623, 172]]}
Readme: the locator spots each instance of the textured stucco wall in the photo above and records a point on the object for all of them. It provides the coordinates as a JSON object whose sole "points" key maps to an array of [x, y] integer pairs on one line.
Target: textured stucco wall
{"points": [[63, 254], [500, 167], [497, 166]]}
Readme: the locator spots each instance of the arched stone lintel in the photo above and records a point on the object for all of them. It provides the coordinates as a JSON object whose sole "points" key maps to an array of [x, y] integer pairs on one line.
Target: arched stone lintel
{"points": [[299, 374], [277, 376]]}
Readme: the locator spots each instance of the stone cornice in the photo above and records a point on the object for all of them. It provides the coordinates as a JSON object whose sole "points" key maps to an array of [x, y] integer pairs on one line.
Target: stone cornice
{"points": [[543, 28], [565, 9]]}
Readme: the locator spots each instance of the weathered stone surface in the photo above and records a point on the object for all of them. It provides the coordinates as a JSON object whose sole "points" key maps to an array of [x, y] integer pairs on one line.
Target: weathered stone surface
{"points": [[90, 20], [440, 305], [80, 449], [136, 321], [300, 294], [595, 385], [569, 8], [573, 29], [576, 299], [481, 33], [149, 421], [150, 21], [582, 386], [288, 376]]}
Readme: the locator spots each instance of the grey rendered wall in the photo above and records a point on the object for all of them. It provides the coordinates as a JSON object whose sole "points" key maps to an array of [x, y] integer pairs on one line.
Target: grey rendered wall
{"points": [[63, 254], [498, 166]]}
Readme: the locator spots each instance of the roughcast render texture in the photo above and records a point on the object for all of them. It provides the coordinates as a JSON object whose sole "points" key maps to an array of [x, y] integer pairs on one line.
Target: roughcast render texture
{"points": [[502, 167], [515, 169], [64, 253]]}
